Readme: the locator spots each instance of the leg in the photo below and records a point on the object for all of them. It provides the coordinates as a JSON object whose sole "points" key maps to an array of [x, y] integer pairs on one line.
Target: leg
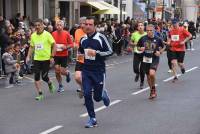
{"points": [[142, 73], [45, 77], [180, 59], [98, 86], [152, 86], [58, 74], [87, 88], [136, 64], [37, 67], [169, 59]]}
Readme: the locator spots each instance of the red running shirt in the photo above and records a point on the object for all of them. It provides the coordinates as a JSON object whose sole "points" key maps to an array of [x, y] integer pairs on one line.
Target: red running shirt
{"points": [[177, 36], [62, 39]]}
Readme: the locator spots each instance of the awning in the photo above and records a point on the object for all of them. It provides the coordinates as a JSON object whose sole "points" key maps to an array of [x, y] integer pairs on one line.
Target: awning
{"points": [[105, 8], [98, 5], [109, 11]]}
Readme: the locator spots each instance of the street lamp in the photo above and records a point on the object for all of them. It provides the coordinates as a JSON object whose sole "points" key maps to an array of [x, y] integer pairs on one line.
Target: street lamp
{"points": [[163, 10], [120, 10]]}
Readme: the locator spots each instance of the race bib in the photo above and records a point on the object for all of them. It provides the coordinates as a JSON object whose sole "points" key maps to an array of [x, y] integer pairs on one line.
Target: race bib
{"points": [[147, 59], [87, 56], [175, 38], [59, 47], [39, 47]]}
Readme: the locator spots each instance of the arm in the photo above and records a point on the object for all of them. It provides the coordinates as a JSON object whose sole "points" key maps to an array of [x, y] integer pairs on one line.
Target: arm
{"points": [[107, 50], [30, 52], [141, 45], [188, 37]]}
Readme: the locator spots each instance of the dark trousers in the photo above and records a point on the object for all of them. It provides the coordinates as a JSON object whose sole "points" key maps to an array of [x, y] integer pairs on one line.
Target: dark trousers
{"points": [[137, 60], [169, 59], [92, 80]]}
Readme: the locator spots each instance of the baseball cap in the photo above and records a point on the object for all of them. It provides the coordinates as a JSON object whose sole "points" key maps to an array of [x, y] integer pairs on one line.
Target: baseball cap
{"points": [[174, 21]]}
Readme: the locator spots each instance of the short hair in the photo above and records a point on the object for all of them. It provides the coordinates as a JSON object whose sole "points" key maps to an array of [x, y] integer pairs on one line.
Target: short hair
{"points": [[92, 18], [82, 19], [60, 21], [151, 25], [39, 20]]}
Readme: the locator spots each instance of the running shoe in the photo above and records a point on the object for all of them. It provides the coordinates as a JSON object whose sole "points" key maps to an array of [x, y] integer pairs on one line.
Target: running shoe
{"points": [[136, 77], [169, 71], [68, 78], [105, 98], [60, 89], [175, 79], [39, 97], [141, 85], [51, 88], [182, 70], [80, 93], [92, 122], [153, 94]]}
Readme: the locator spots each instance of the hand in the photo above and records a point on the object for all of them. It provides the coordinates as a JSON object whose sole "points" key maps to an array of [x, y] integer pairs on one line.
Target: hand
{"points": [[27, 59], [64, 47], [157, 53], [182, 43], [52, 61], [142, 49], [91, 52], [17, 65]]}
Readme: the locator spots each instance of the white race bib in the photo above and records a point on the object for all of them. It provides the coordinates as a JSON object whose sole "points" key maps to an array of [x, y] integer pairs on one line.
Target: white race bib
{"points": [[175, 38], [59, 47], [87, 56], [147, 59], [39, 47]]}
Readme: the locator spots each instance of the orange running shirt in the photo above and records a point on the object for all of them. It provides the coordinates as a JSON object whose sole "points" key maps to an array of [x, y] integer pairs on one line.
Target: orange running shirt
{"points": [[78, 35]]}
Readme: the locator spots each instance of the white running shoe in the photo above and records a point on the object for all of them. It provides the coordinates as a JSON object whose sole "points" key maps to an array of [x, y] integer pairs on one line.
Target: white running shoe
{"points": [[169, 71]]}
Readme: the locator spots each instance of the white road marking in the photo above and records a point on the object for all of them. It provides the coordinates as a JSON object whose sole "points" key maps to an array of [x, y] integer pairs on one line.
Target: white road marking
{"points": [[101, 108], [189, 70], [10, 86], [170, 78], [143, 90], [51, 130]]}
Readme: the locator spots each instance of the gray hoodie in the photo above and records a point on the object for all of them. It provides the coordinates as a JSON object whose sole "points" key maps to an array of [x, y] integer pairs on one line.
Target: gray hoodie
{"points": [[9, 62]]}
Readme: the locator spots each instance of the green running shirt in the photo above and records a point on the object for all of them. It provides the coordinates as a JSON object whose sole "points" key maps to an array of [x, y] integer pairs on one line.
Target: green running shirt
{"points": [[42, 44]]}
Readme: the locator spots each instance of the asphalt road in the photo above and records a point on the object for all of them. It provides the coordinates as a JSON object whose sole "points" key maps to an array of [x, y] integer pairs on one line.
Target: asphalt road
{"points": [[175, 111]]}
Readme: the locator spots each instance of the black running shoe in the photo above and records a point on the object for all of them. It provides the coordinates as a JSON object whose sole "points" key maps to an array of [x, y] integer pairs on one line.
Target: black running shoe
{"points": [[141, 85], [175, 79], [136, 77], [182, 70]]}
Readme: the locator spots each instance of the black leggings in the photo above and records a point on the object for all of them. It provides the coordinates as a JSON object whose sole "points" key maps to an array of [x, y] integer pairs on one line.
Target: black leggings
{"points": [[169, 59], [137, 60], [41, 67]]}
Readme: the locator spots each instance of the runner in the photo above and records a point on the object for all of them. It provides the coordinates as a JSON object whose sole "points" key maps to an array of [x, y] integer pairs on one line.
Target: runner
{"points": [[138, 54], [95, 48], [78, 68], [63, 43], [152, 47], [41, 44], [178, 37]]}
